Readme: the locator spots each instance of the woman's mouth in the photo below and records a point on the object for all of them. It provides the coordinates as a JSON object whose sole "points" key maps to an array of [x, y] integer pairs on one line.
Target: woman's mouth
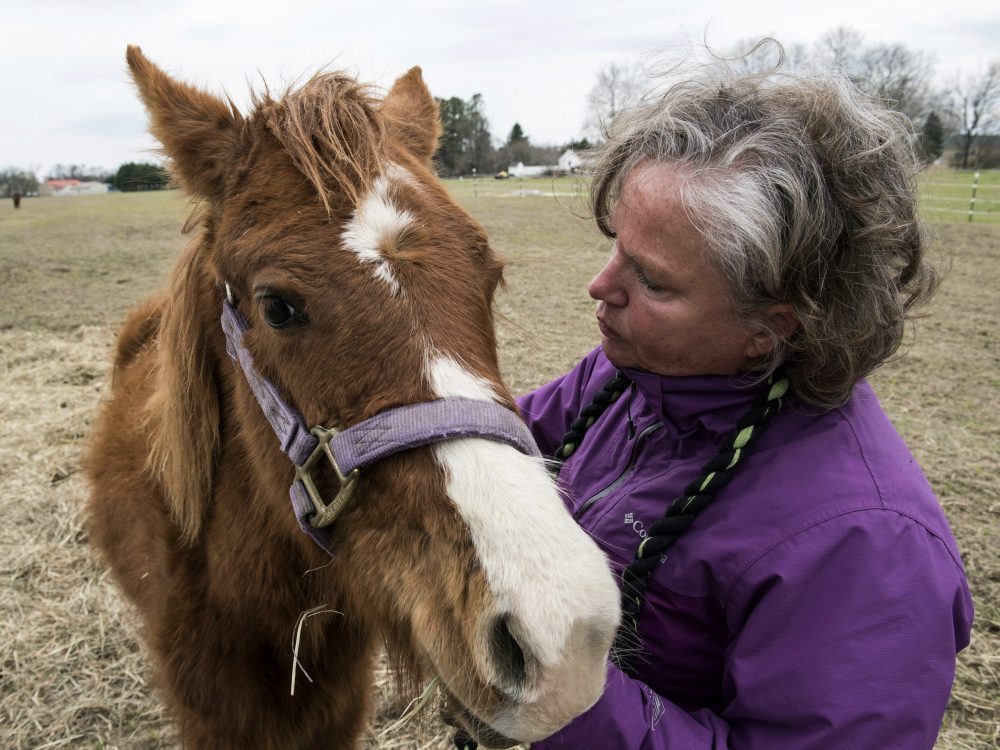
{"points": [[606, 330]]}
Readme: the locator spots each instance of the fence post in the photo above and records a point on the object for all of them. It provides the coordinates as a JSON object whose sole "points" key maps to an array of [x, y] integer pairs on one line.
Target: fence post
{"points": [[475, 183], [972, 202]]}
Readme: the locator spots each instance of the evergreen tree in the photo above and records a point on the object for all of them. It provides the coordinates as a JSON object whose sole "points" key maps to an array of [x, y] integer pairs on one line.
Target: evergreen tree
{"points": [[517, 148], [140, 176], [481, 153], [466, 143], [452, 144], [931, 142], [516, 135]]}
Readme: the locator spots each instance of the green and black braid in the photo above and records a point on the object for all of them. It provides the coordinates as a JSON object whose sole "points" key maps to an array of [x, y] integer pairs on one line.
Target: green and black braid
{"points": [[682, 511], [608, 394]]}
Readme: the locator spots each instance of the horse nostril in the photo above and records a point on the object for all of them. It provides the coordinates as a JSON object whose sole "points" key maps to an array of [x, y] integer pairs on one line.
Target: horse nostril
{"points": [[507, 653]]}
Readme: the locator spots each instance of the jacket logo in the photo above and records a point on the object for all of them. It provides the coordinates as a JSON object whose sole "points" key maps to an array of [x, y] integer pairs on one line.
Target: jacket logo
{"points": [[637, 526], [640, 529]]}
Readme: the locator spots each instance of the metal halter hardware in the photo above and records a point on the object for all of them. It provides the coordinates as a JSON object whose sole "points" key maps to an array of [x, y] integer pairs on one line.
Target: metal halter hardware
{"points": [[325, 513], [362, 444]]}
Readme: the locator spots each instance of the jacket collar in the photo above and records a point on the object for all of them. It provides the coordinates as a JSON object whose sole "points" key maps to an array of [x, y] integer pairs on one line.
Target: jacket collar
{"points": [[712, 403]]}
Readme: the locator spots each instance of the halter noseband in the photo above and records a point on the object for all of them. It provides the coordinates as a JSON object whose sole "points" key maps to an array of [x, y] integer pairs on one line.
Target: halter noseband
{"points": [[350, 450]]}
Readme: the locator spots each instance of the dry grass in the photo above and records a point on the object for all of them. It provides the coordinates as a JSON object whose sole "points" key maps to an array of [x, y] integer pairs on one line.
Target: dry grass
{"points": [[72, 672]]}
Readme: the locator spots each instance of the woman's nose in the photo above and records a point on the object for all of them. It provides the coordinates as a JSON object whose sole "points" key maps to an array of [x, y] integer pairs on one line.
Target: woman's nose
{"points": [[608, 286]]}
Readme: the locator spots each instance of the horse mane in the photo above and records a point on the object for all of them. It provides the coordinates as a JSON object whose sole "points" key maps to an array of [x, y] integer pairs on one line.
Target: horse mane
{"points": [[182, 412], [331, 129]]}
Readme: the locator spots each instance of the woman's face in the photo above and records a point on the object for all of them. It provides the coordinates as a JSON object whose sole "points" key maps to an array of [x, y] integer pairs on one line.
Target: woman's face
{"points": [[661, 306]]}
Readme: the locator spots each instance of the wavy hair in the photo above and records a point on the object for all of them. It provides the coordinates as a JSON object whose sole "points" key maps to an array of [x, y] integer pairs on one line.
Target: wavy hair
{"points": [[804, 189]]}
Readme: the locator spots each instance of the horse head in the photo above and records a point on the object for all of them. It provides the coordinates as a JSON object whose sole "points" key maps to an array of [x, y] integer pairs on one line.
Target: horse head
{"points": [[365, 287]]}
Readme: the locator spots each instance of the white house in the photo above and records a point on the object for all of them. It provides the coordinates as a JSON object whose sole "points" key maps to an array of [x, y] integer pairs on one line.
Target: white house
{"points": [[519, 170], [72, 187], [570, 162]]}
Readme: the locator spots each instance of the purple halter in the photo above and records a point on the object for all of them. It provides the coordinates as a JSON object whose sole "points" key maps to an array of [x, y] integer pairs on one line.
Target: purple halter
{"points": [[361, 445]]}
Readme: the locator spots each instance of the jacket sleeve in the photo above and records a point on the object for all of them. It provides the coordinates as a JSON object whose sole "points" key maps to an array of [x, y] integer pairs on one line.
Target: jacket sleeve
{"points": [[870, 668], [630, 716], [548, 411]]}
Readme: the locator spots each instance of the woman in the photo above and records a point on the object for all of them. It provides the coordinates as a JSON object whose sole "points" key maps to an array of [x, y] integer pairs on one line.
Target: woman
{"points": [[805, 590]]}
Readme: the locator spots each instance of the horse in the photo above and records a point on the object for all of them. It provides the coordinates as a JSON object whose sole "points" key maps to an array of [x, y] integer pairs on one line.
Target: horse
{"points": [[330, 280]]}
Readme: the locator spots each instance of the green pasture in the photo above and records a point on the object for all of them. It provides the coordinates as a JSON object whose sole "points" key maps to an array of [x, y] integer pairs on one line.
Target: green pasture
{"points": [[946, 196], [72, 671]]}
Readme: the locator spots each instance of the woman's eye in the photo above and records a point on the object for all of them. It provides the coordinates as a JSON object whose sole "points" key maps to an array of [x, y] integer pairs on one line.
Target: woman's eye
{"points": [[279, 313], [644, 280]]}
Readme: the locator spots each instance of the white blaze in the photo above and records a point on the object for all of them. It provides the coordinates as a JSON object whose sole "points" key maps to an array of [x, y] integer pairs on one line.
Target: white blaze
{"points": [[540, 566], [378, 223]]}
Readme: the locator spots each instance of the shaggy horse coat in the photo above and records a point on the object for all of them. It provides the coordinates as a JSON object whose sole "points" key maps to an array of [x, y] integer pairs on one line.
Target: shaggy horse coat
{"points": [[366, 288]]}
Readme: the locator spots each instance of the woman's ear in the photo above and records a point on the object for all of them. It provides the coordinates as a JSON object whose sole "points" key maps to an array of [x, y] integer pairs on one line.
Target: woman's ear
{"points": [[782, 321]]}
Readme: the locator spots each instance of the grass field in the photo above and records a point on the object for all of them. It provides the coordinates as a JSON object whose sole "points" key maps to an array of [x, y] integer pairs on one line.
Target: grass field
{"points": [[71, 668], [946, 196]]}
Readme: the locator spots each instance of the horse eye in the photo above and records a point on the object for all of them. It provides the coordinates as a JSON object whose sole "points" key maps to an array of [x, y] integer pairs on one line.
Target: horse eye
{"points": [[279, 313]]}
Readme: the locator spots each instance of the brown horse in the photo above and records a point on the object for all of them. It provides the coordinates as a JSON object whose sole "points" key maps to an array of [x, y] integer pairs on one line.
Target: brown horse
{"points": [[363, 287]]}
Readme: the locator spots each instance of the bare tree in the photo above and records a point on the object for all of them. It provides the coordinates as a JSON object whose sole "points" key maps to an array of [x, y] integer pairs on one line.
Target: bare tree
{"points": [[839, 50], [751, 56], [79, 172], [618, 87], [899, 76], [976, 106], [14, 180]]}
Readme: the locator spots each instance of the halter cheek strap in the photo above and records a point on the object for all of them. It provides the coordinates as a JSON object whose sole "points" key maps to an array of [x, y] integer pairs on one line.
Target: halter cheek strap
{"points": [[350, 450], [296, 441]]}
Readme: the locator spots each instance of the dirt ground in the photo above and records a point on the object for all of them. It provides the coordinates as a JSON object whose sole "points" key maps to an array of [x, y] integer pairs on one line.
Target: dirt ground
{"points": [[72, 672]]}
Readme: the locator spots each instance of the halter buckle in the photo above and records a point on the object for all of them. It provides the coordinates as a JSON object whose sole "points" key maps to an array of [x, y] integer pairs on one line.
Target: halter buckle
{"points": [[325, 513]]}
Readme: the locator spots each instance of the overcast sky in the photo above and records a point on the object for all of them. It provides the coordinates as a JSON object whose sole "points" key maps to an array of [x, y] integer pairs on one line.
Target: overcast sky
{"points": [[65, 97]]}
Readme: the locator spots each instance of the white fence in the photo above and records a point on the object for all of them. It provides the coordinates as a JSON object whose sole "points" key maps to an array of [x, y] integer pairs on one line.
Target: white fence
{"points": [[980, 201]]}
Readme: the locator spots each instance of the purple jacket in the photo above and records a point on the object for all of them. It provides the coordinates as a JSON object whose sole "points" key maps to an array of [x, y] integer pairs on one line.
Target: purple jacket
{"points": [[817, 602]]}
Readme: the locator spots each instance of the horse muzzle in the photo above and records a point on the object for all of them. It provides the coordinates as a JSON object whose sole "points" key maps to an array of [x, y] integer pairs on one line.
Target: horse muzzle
{"points": [[533, 700]]}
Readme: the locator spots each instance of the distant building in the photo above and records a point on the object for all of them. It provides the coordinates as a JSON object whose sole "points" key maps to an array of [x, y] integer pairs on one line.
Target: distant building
{"points": [[72, 187], [570, 162], [519, 170]]}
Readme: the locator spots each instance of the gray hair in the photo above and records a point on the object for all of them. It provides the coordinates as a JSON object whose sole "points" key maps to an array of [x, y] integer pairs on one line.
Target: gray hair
{"points": [[804, 189]]}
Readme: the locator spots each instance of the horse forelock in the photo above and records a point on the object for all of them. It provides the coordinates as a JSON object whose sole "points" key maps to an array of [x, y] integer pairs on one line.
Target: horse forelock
{"points": [[332, 131]]}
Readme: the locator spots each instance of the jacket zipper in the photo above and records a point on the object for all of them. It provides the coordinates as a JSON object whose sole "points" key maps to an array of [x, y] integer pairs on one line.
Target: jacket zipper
{"points": [[629, 468]]}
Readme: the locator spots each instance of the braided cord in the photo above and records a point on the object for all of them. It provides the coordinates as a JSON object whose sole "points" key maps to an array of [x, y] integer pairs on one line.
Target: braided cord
{"points": [[715, 475], [608, 394]]}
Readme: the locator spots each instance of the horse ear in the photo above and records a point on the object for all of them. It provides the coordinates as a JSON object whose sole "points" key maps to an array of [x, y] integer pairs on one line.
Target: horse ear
{"points": [[200, 133], [412, 115], [183, 410]]}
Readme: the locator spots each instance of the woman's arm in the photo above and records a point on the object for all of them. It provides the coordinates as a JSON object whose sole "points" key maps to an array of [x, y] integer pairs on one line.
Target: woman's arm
{"points": [[842, 636]]}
